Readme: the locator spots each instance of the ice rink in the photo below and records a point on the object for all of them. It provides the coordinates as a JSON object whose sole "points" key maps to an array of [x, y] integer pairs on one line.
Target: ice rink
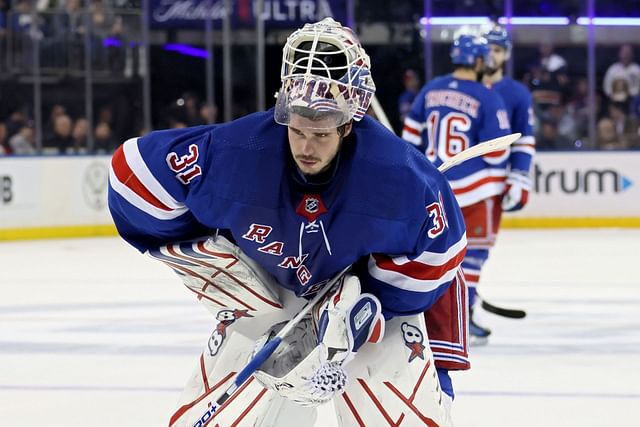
{"points": [[94, 334]]}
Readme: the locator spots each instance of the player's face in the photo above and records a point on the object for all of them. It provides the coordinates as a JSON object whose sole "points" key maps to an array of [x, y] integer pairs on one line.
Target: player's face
{"points": [[312, 145], [498, 55]]}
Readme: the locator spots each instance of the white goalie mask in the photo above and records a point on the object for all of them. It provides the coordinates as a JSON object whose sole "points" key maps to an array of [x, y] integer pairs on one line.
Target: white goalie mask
{"points": [[325, 76]]}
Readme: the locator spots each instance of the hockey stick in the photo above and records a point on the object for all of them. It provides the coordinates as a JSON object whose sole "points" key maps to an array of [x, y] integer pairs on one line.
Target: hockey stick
{"points": [[481, 149], [511, 313], [380, 114]]}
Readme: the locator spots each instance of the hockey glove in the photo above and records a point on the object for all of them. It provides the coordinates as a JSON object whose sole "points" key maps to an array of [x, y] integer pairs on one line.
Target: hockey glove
{"points": [[346, 319], [517, 192], [299, 369], [308, 366]]}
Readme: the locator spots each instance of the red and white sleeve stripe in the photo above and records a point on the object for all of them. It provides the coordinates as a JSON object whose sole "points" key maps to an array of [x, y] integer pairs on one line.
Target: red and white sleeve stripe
{"points": [[425, 273], [130, 177], [412, 131], [525, 144], [479, 185]]}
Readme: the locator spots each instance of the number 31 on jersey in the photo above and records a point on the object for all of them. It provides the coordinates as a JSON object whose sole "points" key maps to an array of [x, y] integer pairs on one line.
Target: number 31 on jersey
{"points": [[437, 217]]}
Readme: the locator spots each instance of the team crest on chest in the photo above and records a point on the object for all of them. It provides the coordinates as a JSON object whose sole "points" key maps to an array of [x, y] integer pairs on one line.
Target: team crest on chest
{"points": [[311, 207]]}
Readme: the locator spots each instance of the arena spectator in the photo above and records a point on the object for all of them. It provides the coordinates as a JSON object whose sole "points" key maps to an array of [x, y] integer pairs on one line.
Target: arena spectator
{"points": [[620, 90], [548, 137], [23, 142], [208, 113], [565, 123], [57, 110], [579, 109], [80, 135], [103, 139], [608, 139], [547, 79], [626, 126], [411, 83], [16, 121], [61, 138], [624, 69], [551, 61]]}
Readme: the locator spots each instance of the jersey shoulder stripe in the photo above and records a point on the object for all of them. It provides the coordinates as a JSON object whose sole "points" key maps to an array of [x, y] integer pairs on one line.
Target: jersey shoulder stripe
{"points": [[133, 181], [423, 274]]}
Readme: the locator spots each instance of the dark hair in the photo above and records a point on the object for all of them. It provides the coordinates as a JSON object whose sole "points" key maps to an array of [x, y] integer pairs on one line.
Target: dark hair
{"points": [[313, 114], [343, 128]]}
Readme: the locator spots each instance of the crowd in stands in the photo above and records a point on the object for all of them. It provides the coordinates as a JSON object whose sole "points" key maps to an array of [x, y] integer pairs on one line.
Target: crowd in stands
{"points": [[561, 107], [62, 134], [65, 134], [60, 27]]}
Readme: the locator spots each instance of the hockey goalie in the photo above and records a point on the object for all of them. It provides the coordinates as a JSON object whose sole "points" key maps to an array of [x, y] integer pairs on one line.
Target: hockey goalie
{"points": [[258, 215]]}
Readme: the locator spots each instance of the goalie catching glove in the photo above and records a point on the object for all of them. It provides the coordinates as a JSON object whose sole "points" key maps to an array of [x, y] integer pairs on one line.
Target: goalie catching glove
{"points": [[517, 193], [308, 366]]}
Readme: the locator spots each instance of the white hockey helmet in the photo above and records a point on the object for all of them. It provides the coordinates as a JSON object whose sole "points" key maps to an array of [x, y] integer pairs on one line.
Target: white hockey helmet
{"points": [[326, 74]]}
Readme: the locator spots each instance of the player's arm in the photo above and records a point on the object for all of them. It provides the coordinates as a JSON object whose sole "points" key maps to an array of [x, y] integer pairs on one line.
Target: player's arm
{"points": [[149, 182], [414, 122], [412, 282], [522, 151], [494, 122]]}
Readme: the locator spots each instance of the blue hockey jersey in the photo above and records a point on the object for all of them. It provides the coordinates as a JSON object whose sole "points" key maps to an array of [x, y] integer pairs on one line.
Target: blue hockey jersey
{"points": [[518, 103], [386, 209], [450, 115]]}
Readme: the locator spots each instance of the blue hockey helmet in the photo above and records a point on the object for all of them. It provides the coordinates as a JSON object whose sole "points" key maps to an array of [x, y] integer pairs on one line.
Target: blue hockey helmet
{"points": [[499, 36], [466, 48]]}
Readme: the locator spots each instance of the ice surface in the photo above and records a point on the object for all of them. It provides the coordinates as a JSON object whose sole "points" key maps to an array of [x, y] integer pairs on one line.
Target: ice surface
{"points": [[94, 334]]}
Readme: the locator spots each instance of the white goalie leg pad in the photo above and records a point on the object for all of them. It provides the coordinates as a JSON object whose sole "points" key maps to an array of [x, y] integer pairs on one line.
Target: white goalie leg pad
{"points": [[221, 276], [397, 382], [251, 405], [210, 378]]}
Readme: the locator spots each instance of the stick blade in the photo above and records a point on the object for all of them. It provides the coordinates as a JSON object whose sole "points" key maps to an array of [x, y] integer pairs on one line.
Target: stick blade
{"points": [[481, 149], [511, 313]]}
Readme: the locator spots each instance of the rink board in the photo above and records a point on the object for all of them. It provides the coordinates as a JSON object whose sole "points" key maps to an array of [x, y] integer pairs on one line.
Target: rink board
{"points": [[45, 197]]}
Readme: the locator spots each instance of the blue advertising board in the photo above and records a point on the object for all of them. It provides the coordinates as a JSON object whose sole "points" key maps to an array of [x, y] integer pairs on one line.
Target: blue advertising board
{"points": [[191, 14]]}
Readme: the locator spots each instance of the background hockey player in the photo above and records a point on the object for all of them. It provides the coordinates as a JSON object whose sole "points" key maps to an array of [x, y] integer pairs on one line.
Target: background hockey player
{"points": [[518, 103], [450, 114], [261, 211]]}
